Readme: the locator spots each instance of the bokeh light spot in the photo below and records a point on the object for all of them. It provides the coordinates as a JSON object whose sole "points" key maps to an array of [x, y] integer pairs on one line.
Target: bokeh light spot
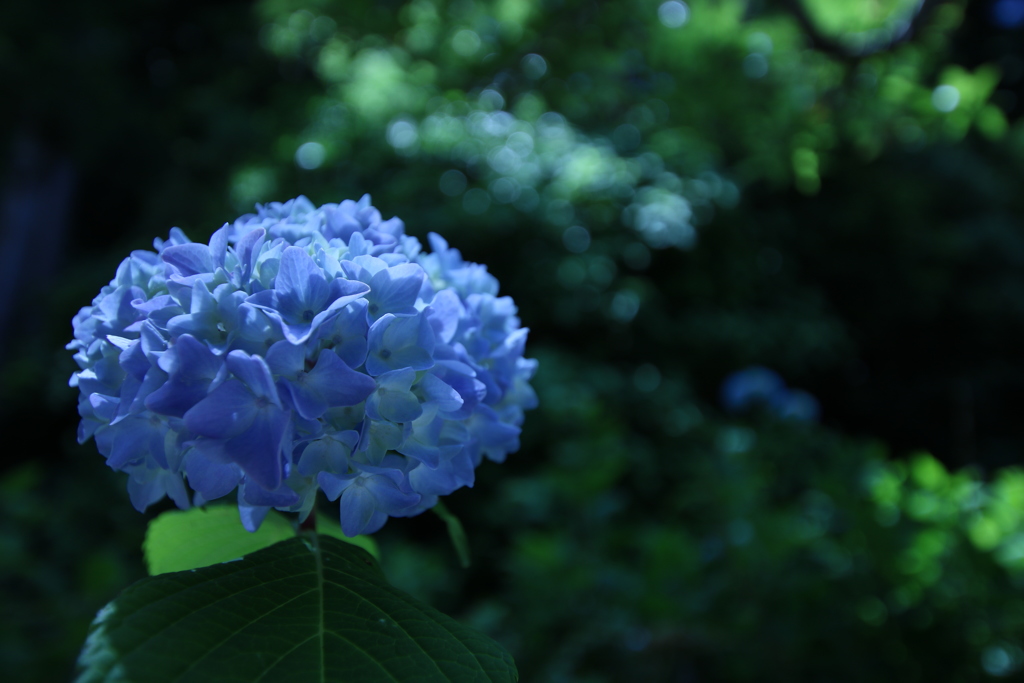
{"points": [[760, 42], [310, 155], [520, 142], [534, 66], [662, 218], [646, 378], [252, 185], [491, 99], [755, 65], [576, 239], [528, 200], [504, 190], [945, 98], [466, 42], [322, 28], [872, 611], [735, 440], [402, 134], [453, 182], [476, 201], [625, 306], [997, 660], [673, 13]]}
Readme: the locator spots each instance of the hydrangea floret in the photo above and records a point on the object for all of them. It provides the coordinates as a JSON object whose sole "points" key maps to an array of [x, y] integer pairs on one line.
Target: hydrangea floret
{"points": [[302, 349]]}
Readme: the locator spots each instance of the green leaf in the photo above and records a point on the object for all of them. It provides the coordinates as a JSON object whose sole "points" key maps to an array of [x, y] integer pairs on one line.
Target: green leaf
{"points": [[188, 539], [455, 532], [309, 609]]}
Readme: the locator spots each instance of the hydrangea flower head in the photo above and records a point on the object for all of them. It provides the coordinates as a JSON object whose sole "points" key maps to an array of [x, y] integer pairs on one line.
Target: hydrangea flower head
{"points": [[302, 349]]}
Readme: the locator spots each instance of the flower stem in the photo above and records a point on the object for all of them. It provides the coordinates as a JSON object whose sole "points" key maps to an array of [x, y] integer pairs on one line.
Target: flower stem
{"points": [[309, 524]]}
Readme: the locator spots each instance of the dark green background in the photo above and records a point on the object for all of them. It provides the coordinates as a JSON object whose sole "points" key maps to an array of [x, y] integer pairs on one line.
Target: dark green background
{"points": [[641, 533]]}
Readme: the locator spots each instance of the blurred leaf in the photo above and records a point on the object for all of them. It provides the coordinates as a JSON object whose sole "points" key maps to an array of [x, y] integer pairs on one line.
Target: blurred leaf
{"points": [[455, 532], [928, 472], [858, 21]]}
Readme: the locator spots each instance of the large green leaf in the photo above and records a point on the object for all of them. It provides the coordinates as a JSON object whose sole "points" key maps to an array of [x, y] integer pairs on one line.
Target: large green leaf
{"points": [[311, 608], [188, 539]]}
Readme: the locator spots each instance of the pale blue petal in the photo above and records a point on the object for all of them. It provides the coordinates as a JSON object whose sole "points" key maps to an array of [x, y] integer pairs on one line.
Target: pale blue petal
{"points": [[357, 509], [189, 259], [285, 359], [435, 391], [300, 286], [333, 484], [252, 516]]}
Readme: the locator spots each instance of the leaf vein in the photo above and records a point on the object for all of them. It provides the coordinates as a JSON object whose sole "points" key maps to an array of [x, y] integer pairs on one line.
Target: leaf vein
{"points": [[204, 607], [390, 617], [426, 617], [234, 633]]}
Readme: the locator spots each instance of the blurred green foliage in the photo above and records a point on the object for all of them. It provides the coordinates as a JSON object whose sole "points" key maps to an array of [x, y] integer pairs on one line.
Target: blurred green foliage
{"points": [[746, 550], [670, 191]]}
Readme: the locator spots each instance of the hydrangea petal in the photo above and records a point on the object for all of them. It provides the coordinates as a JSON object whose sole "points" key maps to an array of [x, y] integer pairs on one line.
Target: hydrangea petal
{"points": [[191, 367], [227, 412], [358, 510], [393, 399], [339, 384], [189, 259], [252, 516], [396, 343], [210, 478], [259, 450], [301, 287], [329, 453]]}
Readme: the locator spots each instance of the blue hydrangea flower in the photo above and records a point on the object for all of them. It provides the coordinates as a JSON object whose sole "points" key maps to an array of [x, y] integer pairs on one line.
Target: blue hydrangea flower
{"points": [[758, 386], [302, 349], [755, 385]]}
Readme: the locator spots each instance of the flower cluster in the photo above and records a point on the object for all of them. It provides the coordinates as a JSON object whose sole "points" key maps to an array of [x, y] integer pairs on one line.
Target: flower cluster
{"points": [[303, 348]]}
